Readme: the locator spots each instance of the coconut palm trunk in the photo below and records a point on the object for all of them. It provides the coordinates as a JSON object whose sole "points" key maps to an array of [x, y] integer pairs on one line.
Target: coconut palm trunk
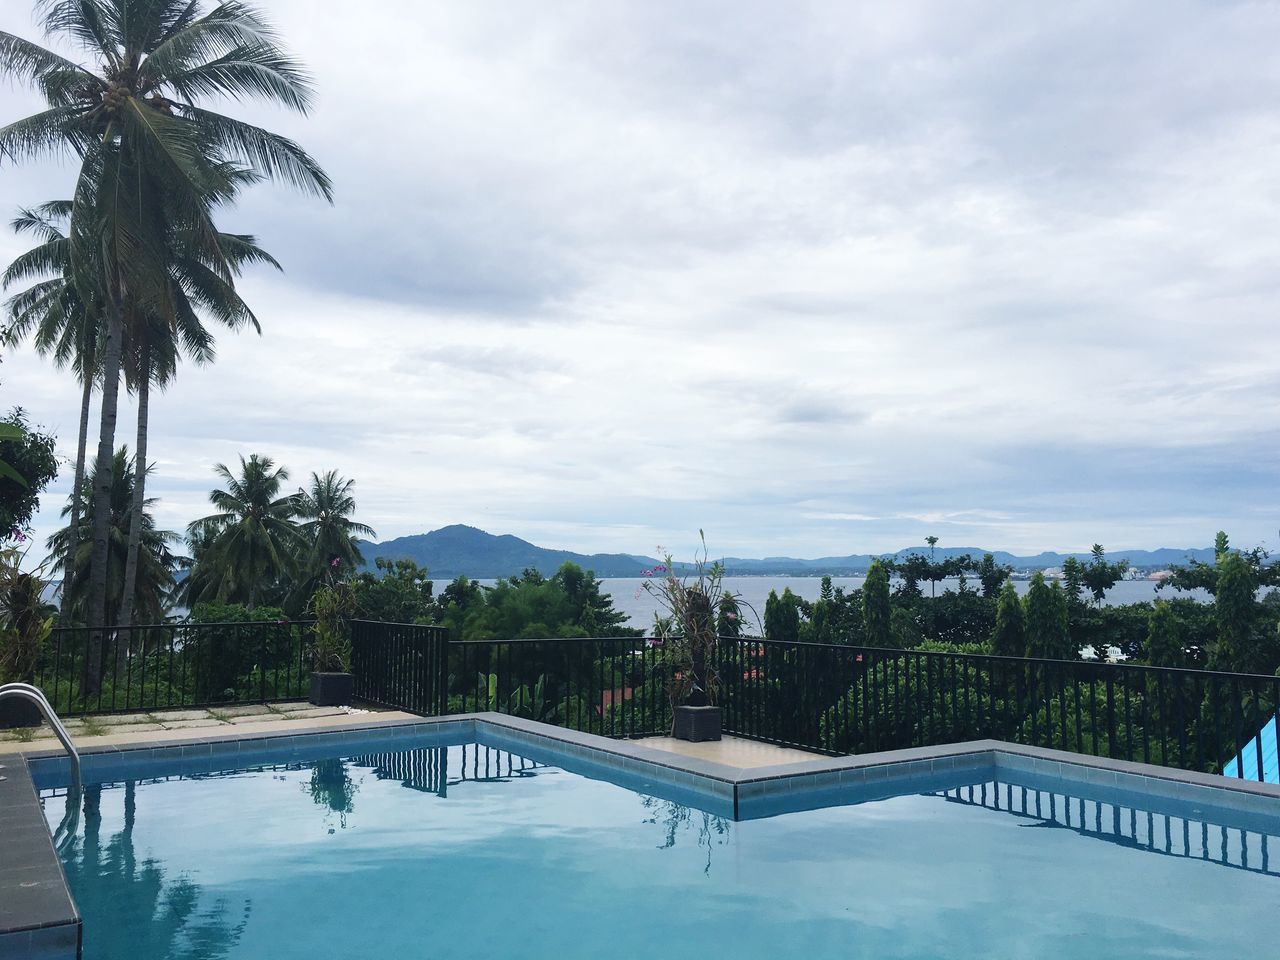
{"points": [[77, 491], [139, 491], [111, 359]]}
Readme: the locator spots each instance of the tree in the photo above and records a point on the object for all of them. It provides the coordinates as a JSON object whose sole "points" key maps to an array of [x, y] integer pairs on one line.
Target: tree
{"points": [[1198, 575], [991, 575], [31, 464], [782, 616], [1235, 613], [399, 592], [1099, 576], [1073, 576], [329, 533], [155, 345], [151, 159], [1009, 639], [875, 605], [252, 542], [1046, 622], [933, 584], [65, 326], [1165, 646], [155, 571]]}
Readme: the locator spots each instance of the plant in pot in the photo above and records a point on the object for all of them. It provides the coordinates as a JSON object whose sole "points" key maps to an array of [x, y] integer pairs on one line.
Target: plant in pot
{"points": [[331, 682], [687, 635], [25, 624]]}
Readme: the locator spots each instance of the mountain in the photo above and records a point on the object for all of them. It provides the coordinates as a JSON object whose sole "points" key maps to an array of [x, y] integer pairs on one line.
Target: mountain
{"points": [[460, 550], [859, 562]]}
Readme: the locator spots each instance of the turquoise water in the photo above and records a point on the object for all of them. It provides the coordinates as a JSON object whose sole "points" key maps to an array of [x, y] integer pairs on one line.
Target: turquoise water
{"points": [[469, 852]]}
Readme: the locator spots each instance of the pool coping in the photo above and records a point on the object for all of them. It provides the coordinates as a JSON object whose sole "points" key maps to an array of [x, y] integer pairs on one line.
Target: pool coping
{"points": [[39, 918]]}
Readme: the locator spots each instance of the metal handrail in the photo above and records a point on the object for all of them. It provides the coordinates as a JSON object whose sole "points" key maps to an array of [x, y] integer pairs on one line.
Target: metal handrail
{"points": [[34, 695]]}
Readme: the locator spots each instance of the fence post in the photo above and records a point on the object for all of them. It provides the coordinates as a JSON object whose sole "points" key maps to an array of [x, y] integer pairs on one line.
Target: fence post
{"points": [[442, 673]]}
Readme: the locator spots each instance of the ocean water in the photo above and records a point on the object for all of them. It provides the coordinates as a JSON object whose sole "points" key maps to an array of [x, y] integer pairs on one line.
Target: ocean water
{"points": [[468, 852]]}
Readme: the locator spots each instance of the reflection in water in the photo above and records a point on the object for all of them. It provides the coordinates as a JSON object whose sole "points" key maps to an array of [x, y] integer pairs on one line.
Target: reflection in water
{"points": [[427, 770], [332, 789], [677, 820], [152, 915], [1127, 825]]}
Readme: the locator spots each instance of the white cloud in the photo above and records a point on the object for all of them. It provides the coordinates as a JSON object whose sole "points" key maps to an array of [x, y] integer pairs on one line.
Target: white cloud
{"points": [[819, 278]]}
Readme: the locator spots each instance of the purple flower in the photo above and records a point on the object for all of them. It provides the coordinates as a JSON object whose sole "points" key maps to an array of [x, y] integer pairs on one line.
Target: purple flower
{"points": [[654, 642], [282, 622], [336, 561], [731, 615]]}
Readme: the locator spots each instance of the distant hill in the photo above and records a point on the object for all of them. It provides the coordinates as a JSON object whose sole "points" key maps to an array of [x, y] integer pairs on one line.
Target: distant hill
{"points": [[460, 550], [859, 562]]}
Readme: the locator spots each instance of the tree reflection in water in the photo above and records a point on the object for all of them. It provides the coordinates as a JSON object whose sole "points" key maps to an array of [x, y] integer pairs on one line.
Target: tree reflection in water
{"points": [[677, 819], [332, 788], [151, 915]]}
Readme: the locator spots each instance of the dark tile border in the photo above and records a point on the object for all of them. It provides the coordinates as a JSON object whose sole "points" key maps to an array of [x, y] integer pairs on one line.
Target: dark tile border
{"points": [[38, 917], [40, 923]]}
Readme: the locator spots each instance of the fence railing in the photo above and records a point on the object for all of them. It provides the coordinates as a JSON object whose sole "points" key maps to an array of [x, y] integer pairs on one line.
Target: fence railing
{"points": [[84, 671], [613, 686], [400, 665], [861, 699], [843, 700], [823, 697]]}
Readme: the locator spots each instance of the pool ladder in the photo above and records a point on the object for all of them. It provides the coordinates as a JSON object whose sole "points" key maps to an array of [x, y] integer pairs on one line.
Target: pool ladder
{"points": [[70, 821]]}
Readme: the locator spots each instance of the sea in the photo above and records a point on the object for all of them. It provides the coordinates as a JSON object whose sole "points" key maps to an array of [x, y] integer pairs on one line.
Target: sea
{"points": [[629, 594]]}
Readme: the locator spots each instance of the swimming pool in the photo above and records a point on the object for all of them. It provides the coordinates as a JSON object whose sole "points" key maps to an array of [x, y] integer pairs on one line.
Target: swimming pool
{"points": [[466, 845]]}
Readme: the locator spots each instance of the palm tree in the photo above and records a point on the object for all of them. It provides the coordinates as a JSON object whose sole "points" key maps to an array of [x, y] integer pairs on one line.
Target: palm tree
{"points": [[155, 573], [65, 327], [150, 157], [156, 346], [252, 542], [329, 532]]}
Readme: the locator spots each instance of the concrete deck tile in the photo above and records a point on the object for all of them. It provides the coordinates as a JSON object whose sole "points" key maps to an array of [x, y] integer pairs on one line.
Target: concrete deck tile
{"points": [[173, 716], [731, 751], [120, 719], [255, 718], [194, 724], [242, 710], [127, 736], [310, 711]]}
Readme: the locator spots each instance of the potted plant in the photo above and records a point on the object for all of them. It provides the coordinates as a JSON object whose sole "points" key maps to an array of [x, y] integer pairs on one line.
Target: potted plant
{"points": [[331, 682], [25, 624], [687, 633]]}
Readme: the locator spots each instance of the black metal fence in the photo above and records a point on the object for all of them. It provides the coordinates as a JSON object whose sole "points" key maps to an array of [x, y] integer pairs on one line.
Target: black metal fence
{"points": [[83, 671], [400, 665], [613, 686], [843, 700], [860, 699], [830, 698]]}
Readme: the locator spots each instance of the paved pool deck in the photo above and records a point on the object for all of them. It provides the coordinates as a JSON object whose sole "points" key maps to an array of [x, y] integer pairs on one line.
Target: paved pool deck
{"points": [[193, 724]]}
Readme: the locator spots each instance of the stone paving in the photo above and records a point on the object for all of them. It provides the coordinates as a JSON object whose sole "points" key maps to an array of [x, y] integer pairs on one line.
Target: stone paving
{"points": [[731, 751], [119, 727]]}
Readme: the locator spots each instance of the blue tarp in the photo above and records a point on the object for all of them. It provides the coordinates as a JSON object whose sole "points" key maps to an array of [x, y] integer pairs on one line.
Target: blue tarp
{"points": [[1248, 759]]}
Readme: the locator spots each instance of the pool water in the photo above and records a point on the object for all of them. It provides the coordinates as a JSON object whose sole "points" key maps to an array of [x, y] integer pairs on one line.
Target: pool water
{"points": [[471, 852]]}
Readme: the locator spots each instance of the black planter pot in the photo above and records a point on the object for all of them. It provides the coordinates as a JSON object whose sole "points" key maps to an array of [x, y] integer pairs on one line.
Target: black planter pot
{"points": [[697, 724], [19, 712], [331, 689]]}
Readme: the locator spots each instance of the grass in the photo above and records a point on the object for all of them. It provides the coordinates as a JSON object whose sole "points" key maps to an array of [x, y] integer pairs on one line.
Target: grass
{"points": [[92, 728]]}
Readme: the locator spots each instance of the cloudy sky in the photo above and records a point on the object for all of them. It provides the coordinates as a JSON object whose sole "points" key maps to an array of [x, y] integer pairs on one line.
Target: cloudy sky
{"points": [[819, 278]]}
